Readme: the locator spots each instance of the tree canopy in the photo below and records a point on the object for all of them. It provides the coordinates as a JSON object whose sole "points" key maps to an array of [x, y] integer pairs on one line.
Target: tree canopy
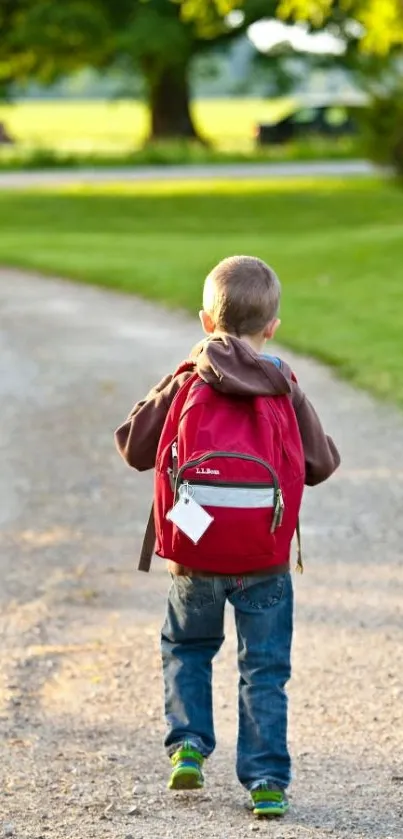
{"points": [[45, 40], [380, 21]]}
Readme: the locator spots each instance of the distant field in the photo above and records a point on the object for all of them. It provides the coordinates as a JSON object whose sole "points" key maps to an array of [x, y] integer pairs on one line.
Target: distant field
{"points": [[337, 245], [88, 126]]}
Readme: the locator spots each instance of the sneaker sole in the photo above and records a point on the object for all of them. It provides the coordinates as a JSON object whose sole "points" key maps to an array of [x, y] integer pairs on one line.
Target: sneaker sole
{"points": [[270, 812], [185, 779]]}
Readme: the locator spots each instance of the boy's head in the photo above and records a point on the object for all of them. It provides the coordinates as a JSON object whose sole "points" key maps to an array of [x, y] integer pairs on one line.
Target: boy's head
{"points": [[241, 297]]}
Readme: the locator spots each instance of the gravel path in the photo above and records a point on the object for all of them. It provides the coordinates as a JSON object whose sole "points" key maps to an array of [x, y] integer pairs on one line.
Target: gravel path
{"points": [[239, 171], [80, 687]]}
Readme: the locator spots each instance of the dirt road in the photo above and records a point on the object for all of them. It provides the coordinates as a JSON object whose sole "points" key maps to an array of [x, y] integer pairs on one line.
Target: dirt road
{"points": [[80, 689]]}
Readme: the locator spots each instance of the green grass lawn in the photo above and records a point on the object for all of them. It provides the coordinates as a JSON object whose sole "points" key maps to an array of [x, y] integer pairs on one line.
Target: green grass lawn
{"points": [[121, 125], [337, 246]]}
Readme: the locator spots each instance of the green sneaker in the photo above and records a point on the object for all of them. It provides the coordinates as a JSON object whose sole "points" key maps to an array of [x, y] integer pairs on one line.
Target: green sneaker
{"points": [[187, 765], [269, 800]]}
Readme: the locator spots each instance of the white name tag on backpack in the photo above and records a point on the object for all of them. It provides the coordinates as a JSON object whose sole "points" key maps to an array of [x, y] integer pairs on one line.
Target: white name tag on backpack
{"points": [[189, 517]]}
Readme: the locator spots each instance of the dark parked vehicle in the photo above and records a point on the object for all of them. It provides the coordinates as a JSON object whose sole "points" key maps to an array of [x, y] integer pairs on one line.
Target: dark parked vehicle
{"points": [[330, 119]]}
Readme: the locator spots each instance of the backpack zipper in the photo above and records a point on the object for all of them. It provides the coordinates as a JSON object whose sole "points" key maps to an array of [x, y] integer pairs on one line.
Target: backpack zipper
{"points": [[173, 471], [233, 456]]}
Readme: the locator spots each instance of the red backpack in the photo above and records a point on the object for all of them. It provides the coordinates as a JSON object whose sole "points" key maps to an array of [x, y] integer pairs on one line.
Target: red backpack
{"points": [[241, 459]]}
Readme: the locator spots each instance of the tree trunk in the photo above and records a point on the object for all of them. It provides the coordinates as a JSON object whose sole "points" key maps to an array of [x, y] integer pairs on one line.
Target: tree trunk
{"points": [[169, 101]]}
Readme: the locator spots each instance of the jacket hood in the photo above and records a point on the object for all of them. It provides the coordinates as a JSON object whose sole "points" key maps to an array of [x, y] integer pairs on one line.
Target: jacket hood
{"points": [[231, 366]]}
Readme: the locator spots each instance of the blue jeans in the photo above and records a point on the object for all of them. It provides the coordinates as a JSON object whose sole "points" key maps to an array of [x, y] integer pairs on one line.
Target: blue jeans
{"points": [[192, 635]]}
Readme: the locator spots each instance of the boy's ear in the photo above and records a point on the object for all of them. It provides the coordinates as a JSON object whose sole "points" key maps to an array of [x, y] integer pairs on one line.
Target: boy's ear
{"points": [[271, 329], [207, 322]]}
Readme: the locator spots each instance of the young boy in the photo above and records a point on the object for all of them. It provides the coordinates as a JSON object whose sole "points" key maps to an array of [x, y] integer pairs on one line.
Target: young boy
{"points": [[240, 308]]}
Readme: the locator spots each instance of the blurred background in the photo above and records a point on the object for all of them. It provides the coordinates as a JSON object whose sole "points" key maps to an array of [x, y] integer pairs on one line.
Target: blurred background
{"points": [[96, 80], [123, 83]]}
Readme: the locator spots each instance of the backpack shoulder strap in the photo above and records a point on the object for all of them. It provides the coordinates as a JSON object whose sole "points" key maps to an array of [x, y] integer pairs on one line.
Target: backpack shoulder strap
{"points": [[147, 548], [183, 392], [300, 564]]}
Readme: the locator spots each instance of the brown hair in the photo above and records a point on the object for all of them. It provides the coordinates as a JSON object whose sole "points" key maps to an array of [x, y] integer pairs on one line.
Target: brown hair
{"points": [[242, 295]]}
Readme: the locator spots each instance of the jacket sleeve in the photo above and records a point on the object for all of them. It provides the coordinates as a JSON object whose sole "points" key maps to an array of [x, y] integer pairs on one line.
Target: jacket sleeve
{"points": [[137, 439], [321, 455]]}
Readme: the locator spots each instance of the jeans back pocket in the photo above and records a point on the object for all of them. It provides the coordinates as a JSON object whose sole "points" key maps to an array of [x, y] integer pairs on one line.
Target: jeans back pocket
{"points": [[194, 592]]}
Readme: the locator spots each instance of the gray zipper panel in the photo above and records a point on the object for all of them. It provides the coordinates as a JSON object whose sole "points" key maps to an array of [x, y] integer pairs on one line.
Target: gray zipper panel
{"points": [[248, 498]]}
